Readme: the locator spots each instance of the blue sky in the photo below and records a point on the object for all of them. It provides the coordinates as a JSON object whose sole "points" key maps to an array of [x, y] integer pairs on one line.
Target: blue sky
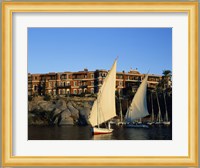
{"points": [[73, 49]]}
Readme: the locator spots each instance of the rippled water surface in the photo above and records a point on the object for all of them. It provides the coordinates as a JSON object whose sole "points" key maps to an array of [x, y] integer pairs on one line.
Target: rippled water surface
{"points": [[84, 133]]}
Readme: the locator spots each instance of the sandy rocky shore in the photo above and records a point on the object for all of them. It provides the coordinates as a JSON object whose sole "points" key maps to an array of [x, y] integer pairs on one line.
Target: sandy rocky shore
{"points": [[59, 111]]}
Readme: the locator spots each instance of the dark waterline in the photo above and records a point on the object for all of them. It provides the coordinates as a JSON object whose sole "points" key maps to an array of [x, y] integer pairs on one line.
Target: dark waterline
{"points": [[84, 133]]}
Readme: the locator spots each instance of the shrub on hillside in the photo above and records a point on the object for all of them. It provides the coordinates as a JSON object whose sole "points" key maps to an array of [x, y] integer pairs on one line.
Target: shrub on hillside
{"points": [[47, 97]]}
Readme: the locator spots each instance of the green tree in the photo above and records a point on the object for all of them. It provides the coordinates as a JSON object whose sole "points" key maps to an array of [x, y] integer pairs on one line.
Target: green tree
{"points": [[164, 92], [167, 73], [166, 79]]}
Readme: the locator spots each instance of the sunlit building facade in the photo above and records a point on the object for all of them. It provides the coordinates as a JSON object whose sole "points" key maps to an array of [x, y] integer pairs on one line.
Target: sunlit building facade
{"points": [[86, 82]]}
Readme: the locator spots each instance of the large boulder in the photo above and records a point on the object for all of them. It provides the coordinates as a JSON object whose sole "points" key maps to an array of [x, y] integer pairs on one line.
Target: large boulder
{"points": [[32, 106], [41, 106], [53, 119], [65, 118], [73, 110], [73, 104], [83, 116], [65, 113], [61, 104], [56, 111], [85, 112], [46, 106], [68, 121], [88, 104]]}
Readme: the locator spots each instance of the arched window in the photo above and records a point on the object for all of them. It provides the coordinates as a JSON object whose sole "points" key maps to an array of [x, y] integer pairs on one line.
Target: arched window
{"points": [[68, 92]]}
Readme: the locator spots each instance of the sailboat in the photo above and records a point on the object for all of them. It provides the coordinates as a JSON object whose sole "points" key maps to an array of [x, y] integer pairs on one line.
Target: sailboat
{"points": [[159, 117], [166, 122], [138, 108], [103, 108]]}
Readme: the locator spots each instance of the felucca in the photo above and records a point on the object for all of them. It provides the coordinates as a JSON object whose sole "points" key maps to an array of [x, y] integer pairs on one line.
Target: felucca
{"points": [[103, 108], [138, 108]]}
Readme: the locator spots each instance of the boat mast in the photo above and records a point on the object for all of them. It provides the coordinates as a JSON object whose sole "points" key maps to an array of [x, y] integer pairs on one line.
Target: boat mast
{"points": [[97, 111], [152, 111], [127, 105], [166, 113], [127, 111], [120, 107], [159, 112]]}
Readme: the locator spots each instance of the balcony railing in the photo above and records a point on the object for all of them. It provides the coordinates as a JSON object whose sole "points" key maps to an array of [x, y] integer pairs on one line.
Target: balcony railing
{"points": [[64, 86], [83, 86]]}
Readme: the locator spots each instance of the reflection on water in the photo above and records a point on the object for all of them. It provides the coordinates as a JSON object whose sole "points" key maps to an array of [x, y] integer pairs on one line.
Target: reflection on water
{"points": [[102, 137], [84, 133]]}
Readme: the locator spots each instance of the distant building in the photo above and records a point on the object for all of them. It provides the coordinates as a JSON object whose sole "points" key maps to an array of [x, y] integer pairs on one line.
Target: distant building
{"points": [[67, 83]]}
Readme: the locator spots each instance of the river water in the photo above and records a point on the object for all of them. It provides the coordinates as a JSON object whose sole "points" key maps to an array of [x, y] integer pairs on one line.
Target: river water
{"points": [[84, 133]]}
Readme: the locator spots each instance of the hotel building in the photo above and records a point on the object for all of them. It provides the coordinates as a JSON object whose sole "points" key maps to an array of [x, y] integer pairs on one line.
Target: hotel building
{"points": [[76, 83]]}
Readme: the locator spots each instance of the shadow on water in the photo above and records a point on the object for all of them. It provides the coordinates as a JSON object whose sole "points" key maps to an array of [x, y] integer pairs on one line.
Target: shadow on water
{"points": [[59, 133], [84, 133]]}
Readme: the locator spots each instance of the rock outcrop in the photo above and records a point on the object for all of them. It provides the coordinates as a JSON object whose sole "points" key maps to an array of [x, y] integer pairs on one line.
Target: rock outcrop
{"points": [[59, 111]]}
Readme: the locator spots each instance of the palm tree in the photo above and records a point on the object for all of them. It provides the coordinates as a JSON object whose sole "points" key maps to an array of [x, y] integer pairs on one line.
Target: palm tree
{"points": [[167, 73], [166, 79], [162, 100], [167, 90], [163, 88]]}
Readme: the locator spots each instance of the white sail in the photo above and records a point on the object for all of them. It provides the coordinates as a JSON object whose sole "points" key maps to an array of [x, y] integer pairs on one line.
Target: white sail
{"points": [[104, 106], [138, 107]]}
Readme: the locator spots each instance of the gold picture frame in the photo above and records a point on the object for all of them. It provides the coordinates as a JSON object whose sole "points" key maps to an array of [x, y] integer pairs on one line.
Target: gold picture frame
{"points": [[8, 8]]}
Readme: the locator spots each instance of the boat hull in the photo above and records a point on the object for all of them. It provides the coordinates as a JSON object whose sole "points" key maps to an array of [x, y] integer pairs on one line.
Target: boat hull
{"points": [[136, 126], [150, 123], [166, 122], [121, 123], [97, 131], [159, 123]]}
